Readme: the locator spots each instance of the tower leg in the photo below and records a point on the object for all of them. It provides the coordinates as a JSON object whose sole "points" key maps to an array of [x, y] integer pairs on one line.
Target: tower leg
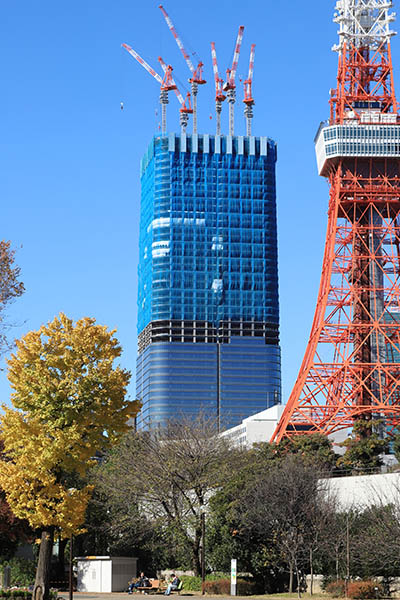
{"points": [[351, 368]]}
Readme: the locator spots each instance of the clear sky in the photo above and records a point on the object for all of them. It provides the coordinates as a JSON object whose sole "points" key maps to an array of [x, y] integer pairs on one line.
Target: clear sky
{"points": [[69, 156]]}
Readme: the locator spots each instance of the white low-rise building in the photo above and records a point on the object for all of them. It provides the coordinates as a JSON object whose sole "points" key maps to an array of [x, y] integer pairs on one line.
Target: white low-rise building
{"points": [[261, 426], [257, 428]]}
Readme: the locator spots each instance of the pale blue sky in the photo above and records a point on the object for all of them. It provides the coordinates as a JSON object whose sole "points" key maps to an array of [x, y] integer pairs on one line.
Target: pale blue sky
{"points": [[69, 179]]}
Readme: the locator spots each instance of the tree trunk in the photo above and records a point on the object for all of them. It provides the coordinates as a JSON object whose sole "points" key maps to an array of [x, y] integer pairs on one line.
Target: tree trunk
{"points": [[337, 565], [196, 563], [311, 572], [61, 560], [42, 580], [298, 580], [291, 578]]}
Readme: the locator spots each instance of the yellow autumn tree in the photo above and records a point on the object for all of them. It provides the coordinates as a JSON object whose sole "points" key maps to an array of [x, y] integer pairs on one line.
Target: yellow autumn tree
{"points": [[69, 402]]}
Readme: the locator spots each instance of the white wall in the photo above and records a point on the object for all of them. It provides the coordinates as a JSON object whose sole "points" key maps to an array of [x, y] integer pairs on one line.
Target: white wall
{"points": [[364, 490], [105, 574]]}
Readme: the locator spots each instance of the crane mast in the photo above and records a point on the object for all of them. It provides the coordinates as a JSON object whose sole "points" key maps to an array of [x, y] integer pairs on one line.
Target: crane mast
{"points": [[197, 74], [167, 84], [230, 86], [219, 96], [248, 98], [184, 111]]}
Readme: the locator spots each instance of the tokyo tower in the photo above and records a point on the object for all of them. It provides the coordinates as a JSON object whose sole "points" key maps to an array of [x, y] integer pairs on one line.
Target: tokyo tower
{"points": [[351, 367]]}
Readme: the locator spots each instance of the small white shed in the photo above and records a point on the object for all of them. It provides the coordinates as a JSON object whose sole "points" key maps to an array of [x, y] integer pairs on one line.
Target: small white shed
{"points": [[105, 573]]}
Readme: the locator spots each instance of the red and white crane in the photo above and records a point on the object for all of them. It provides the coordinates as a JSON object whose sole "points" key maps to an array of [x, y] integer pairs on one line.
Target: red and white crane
{"points": [[197, 73], [248, 97], [184, 111], [219, 96], [230, 85], [167, 84]]}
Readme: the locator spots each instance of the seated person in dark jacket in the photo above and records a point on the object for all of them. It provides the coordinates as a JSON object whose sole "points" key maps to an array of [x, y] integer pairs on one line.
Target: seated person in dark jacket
{"points": [[143, 581]]}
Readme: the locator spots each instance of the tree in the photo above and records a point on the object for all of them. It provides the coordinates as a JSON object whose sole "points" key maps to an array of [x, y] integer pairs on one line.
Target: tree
{"points": [[10, 287], [69, 403], [281, 508], [363, 449], [313, 448], [13, 531], [165, 478]]}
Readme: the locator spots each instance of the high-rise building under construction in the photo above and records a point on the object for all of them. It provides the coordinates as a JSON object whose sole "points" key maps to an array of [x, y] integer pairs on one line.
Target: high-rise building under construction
{"points": [[208, 312]]}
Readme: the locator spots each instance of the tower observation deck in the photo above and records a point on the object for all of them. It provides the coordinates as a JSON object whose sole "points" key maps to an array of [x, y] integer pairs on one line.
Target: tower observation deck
{"points": [[350, 369]]}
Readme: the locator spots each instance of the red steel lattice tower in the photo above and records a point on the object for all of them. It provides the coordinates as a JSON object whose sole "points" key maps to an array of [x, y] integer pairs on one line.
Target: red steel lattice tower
{"points": [[351, 367]]}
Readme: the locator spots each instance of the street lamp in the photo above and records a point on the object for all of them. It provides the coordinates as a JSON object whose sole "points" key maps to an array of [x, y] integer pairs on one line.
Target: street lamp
{"points": [[203, 547]]}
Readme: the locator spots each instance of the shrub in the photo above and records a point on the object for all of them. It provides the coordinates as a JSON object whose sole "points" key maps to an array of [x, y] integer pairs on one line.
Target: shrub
{"points": [[222, 587], [365, 589], [218, 586], [14, 594], [336, 589], [22, 571], [247, 588], [192, 583]]}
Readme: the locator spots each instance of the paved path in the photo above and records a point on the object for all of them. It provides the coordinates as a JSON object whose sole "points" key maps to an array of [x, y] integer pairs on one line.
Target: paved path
{"points": [[126, 596]]}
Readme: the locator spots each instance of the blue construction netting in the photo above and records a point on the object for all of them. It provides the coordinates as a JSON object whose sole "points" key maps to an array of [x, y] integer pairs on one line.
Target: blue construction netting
{"points": [[208, 233]]}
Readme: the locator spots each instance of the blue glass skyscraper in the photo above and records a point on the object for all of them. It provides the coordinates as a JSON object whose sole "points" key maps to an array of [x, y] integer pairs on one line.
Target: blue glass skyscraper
{"points": [[208, 310]]}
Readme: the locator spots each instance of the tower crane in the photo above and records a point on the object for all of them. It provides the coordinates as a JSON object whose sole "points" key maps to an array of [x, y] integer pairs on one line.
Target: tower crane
{"points": [[197, 73], [167, 84], [248, 98], [219, 96], [184, 111], [230, 86]]}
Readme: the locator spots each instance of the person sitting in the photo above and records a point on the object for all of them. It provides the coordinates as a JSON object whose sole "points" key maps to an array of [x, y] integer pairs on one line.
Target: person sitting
{"points": [[173, 585], [143, 581]]}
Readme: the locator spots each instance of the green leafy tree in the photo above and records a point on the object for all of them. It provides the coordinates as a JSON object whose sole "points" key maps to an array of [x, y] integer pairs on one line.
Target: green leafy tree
{"points": [[363, 449], [69, 402]]}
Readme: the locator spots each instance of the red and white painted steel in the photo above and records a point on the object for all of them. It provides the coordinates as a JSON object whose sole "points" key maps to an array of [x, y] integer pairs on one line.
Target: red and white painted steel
{"points": [[197, 74], [184, 111], [167, 84], [230, 85], [248, 98], [351, 367], [219, 96]]}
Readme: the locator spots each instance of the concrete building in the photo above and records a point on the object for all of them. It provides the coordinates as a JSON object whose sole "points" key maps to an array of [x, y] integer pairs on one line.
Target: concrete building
{"points": [[261, 426], [208, 309], [256, 428]]}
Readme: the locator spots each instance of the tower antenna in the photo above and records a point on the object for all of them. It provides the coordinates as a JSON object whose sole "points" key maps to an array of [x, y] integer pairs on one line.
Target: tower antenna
{"points": [[351, 368]]}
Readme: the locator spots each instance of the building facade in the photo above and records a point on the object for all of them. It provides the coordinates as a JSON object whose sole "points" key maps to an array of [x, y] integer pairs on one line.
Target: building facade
{"points": [[208, 309]]}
